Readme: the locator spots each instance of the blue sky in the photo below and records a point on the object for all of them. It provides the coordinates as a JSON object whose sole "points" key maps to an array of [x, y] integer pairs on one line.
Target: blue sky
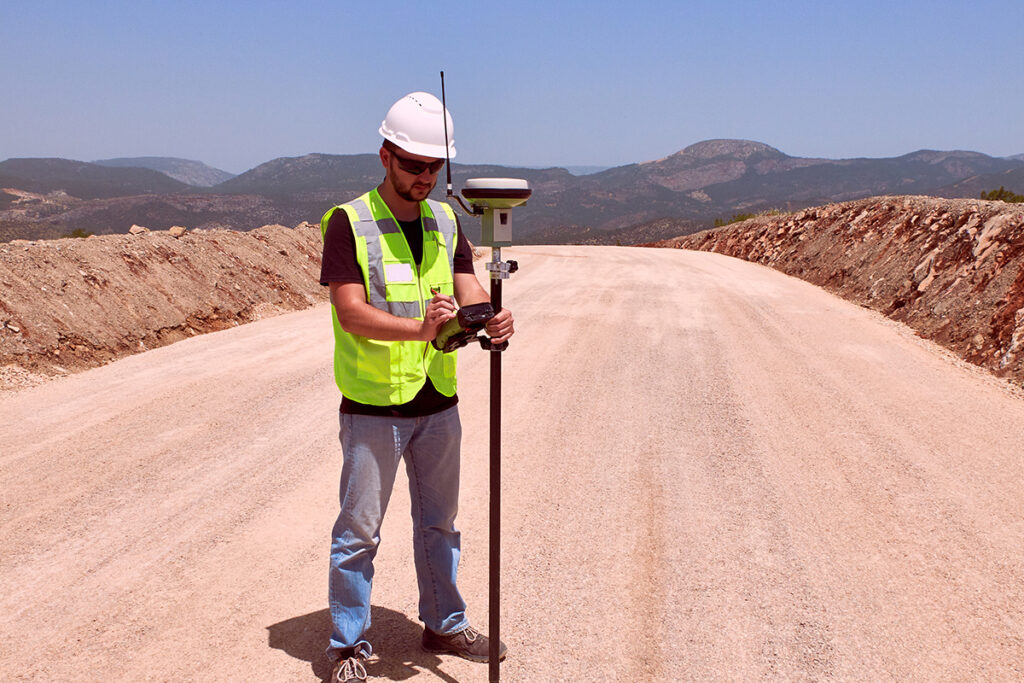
{"points": [[236, 84]]}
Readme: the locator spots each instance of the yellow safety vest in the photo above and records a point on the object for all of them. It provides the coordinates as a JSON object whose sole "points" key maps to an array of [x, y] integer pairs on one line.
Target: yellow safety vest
{"points": [[383, 373]]}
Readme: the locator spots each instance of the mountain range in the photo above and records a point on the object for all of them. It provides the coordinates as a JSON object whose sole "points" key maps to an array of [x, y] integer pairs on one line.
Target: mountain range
{"points": [[708, 180], [84, 180], [185, 170]]}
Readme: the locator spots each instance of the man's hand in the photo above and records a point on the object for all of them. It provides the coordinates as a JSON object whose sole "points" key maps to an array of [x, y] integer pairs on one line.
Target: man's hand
{"points": [[500, 327], [468, 291], [356, 316], [440, 310]]}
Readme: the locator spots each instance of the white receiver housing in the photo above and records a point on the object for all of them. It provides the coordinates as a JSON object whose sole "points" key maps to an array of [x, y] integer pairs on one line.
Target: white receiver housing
{"points": [[495, 196]]}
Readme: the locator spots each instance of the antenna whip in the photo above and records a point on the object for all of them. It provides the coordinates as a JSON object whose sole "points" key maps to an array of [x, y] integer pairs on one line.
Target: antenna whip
{"points": [[447, 160]]}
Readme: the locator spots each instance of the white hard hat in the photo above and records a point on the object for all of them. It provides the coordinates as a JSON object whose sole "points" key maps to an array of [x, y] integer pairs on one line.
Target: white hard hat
{"points": [[415, 124]]}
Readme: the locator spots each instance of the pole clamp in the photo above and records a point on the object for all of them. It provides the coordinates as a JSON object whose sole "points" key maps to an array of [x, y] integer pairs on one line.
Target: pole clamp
{"points": [[501, 270]]}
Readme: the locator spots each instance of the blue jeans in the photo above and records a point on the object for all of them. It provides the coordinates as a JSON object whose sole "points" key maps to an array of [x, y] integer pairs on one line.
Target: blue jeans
{"points": [[373, 447]]}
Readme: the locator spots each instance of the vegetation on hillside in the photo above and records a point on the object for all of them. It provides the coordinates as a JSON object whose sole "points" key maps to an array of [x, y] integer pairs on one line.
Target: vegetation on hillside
{"points": [[1003, 195], [737, 217]]}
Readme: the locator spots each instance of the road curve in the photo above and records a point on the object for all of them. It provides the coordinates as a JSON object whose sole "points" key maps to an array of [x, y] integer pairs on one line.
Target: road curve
{"points": [[711, 472]]}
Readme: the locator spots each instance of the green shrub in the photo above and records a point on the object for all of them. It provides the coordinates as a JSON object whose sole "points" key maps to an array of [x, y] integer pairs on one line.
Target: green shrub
{"points": [[737, 217], [1003, 195]]}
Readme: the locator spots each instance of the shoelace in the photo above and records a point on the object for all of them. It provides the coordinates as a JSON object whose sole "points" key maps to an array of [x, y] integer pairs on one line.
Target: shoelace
{"points": [[352, 668], [471, 633]]}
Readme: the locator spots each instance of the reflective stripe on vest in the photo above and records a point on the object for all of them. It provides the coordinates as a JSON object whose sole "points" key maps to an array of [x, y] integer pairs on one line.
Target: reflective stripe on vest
{"points": [[390, 373]]}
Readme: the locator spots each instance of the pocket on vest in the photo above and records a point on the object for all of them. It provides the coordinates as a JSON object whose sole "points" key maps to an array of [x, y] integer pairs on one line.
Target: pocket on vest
{"points": [[450, 362], [373, 361], [445, 286], [402, 287]]}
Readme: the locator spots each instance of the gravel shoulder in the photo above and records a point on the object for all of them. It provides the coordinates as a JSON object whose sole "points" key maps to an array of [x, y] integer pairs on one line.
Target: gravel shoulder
{"points": [[711, 471]]}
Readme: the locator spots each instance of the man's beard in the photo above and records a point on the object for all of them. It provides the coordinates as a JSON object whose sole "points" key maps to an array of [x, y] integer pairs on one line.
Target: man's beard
{"points": [[408, 193]]}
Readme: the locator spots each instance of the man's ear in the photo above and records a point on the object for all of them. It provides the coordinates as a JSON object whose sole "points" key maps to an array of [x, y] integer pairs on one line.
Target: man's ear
{"points": [[383, 153]]}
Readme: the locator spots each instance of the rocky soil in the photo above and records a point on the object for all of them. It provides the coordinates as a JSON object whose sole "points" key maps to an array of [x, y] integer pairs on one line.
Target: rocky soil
{"points": [[71, 304], [951, 269]]}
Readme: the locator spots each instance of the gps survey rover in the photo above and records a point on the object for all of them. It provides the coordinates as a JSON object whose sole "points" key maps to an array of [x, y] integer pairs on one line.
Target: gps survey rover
{"points": [[492, 200]]}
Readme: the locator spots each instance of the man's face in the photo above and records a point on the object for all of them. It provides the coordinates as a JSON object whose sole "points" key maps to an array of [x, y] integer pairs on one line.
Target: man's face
{"points": [[412, 176]]}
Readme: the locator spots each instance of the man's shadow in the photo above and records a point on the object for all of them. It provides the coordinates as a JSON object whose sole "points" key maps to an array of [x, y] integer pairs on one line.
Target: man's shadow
{"points": [[395, 638]]}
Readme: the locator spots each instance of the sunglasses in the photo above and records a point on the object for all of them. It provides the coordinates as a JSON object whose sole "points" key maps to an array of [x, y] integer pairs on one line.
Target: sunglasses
{"points": [[414, 167]]}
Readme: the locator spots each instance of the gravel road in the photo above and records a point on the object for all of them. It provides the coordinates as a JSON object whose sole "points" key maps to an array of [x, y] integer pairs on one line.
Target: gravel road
{"points": [[711, 472]]}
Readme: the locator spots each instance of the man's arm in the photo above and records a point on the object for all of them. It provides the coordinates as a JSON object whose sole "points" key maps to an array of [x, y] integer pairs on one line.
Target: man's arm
{"points": [[356, 316], [468, 291]]}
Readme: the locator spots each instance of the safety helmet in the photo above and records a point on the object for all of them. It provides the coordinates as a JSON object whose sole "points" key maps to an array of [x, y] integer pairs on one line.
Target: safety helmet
{"points": [[415, 124]]}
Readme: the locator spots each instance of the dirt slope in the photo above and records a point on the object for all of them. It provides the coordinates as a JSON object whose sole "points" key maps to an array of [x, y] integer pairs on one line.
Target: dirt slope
{"points": [[712, 471], [71, 304], [953, 270]]}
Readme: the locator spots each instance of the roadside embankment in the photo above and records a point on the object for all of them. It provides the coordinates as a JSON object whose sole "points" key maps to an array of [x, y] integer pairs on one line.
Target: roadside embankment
{"points": [[72, 304], [951, 269]]}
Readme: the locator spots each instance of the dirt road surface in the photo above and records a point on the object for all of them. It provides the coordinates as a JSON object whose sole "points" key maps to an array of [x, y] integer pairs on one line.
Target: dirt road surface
{"points": [[711, 472]]}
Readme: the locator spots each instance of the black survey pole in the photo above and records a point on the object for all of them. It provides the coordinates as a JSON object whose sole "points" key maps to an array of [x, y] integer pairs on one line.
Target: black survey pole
{"points": [[494, 585], [491, 199]]}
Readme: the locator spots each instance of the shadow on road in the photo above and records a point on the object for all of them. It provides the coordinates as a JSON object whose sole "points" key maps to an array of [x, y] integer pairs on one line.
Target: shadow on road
{"points": [[395, 639]]}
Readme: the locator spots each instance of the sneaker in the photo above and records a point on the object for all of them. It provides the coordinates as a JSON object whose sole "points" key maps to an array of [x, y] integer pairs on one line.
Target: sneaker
{"points": [[348, 670], [468, 643]]}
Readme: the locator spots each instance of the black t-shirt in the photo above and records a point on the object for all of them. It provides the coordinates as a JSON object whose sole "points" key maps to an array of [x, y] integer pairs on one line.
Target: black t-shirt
{"points": [[339, 265]]}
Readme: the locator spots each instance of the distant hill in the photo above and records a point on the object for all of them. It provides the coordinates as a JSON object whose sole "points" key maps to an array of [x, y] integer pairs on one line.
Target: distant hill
{"points": [[84, 180], [792, 186], [586, 170], [718, 178], [704, 164], [692, 187], [309, 185], [311, 173], [41, 216], [973, 186], [739, 174], [190, 172]]}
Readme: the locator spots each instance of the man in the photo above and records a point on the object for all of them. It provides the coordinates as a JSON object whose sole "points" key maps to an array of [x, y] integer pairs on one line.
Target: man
{"points": [[397, 264]]}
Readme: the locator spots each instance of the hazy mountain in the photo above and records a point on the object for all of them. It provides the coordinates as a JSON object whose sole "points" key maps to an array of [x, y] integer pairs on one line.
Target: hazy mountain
{"points": [[84, 180], [740, 173], [1017, 157], [717, 178], [312, 173], [703, 164], [577, 170], [309, 185], [194, 173], [340, 175], [840, 180], [708, 180], [585, 170]]}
